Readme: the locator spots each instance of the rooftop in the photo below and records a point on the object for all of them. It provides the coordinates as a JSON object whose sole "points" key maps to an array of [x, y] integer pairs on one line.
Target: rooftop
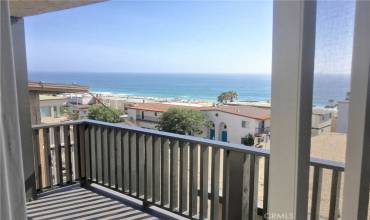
{"points": [[55, 88], [242, 110], [51, 97], [158, 107], [322, 111]]}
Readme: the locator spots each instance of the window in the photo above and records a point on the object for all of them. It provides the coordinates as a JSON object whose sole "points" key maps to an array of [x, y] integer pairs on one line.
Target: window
{"points": [[155, 114], [45, 111], [216, 114], [245, 124]]}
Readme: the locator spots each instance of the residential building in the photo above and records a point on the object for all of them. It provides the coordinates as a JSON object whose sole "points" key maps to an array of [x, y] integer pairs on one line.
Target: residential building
{"points": [[232, 123], [322, 119], [115, 102], [228, 123], [53, 108], [81, 99], [51, 103], [147, 115], [342, 118]]}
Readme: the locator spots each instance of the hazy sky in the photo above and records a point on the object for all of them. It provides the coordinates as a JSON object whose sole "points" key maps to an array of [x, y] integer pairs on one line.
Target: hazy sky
{"points": [[176, 37]]}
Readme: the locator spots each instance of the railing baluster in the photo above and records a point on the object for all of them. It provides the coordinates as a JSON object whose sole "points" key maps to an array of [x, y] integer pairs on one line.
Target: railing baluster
{"points": [[133, 168], [126, 162], [140, 163], [67, 153], [37, 165], [250, 184], [47, 179], [157, 169], [193, 192], [165, 178], [93, 153], [235, 182], [106, 161], [266, 187], [184, 176], [112, 157], [226, 185], [109, 158], [215, 184], [334, 195], [99, 154], [174, 175], [88, 152], [81, 149], [96, 150], [253, 195], [316, 193], [76, 156], [58, 156], [148, 182], [204, 182], [119, 169]]}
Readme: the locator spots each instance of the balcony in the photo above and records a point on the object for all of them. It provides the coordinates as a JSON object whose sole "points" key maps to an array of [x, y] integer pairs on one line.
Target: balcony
{"points": [[187, 176]]}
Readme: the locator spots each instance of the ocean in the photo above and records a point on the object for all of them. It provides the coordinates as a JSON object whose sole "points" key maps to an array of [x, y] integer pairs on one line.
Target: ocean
{"points": [[251, 87]]}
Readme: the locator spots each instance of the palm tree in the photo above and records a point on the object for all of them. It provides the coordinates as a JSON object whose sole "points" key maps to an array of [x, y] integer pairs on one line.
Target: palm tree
{"points": [[228, 96], [233, 95]]}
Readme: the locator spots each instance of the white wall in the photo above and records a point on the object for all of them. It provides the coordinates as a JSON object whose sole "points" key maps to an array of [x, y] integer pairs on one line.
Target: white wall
{"points": [[150, 118], [131, 114], [235, 131], [342, 121]]}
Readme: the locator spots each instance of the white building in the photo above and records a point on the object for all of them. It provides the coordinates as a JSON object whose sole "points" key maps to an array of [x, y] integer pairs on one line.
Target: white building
{"points": [[52, 106], [233, 123], [342, 119], [228, 123], [81, 99], [147, 115], [321, 120]]}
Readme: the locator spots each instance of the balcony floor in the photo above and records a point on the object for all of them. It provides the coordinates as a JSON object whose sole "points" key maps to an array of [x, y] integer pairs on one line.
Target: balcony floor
{"points": [[75, 202]]}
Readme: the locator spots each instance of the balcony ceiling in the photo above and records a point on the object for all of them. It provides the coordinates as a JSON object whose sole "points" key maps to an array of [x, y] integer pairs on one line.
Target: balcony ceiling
{"points": [[22, 8]]}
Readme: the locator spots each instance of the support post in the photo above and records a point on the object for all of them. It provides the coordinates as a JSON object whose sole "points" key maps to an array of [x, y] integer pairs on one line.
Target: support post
{"points": [[291, 108], [19, 49], [35, 108], [357, 171]]}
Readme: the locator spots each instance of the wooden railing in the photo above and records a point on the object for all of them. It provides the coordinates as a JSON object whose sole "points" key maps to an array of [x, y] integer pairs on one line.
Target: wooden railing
{"points": [[193, 177]]}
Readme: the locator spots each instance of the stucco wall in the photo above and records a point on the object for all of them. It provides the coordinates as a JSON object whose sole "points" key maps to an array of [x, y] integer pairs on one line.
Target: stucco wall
{"points": [[235, 131], [342, 121]]}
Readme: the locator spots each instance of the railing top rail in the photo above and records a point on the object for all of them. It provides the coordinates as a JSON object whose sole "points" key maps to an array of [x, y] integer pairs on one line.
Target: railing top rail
{"points": [[51, 125], [327, 164]]}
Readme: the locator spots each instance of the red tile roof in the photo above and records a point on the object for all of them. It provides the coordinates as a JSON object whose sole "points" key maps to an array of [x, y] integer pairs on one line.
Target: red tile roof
{"points": [[242, 110], [158, 107]]}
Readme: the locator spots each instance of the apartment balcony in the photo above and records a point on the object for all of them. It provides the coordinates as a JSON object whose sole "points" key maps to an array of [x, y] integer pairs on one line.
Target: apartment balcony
{"points": [[185, 176]]}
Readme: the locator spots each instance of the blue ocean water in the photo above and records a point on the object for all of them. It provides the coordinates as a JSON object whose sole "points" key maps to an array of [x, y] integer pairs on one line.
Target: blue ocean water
{"points": [[194, 86]]}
